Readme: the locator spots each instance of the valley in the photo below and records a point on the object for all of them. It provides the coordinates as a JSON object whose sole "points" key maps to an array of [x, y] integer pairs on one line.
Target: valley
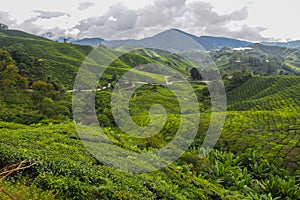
{"points": [[256, 157]]}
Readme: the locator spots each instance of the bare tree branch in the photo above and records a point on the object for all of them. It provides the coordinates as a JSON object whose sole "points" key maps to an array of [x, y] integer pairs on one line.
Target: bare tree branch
{"points": [[4, 173]]}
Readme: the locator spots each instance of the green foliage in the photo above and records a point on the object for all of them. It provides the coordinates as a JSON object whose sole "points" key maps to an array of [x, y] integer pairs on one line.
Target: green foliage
{"points": [[5, 60], [24, 192], [267, 93], [236, 80], [195, 74], [16, 33], [260, 60], [46, 60], [11, 80], [41, 86], [263, 115], [252, 174], [66, 169]]}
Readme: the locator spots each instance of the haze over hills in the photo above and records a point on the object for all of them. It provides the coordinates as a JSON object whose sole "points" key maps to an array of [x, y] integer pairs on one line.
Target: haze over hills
{"points": [[207, 42], [58, 62], [291, 44], [229, 54], [171, 36], [212, 42], [94, 42]]}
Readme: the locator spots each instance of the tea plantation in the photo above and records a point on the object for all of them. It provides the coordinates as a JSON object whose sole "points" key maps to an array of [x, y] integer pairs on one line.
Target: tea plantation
{"points": [[42, 156]]}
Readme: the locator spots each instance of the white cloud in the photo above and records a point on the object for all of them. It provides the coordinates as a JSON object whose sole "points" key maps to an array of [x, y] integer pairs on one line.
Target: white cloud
{"points": [[6, 19], [197, 17], [85, 5], [48, 14], [103, 26], [245, 19]]}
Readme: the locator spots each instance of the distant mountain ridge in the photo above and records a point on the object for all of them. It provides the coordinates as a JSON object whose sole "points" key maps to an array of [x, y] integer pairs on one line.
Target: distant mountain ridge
{"points": [[292, 44], [272, 60], [94, 42], [213, 42], [207, 42]]}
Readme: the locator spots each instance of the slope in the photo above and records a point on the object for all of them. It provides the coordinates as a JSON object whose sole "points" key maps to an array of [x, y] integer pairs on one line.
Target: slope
{"points": [[58, 63], [263, 113]]}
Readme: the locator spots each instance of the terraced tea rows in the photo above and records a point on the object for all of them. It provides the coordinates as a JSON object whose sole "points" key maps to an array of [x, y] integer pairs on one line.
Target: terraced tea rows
{"points": [[264, 114], [276, 133], [267, 93]]}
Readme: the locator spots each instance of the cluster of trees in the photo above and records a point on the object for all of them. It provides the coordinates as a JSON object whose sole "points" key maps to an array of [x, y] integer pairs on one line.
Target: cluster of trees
{"points": [[236, 79], [3, 27], [195, 74], [21, 104], [11, 82], [255, 61]]}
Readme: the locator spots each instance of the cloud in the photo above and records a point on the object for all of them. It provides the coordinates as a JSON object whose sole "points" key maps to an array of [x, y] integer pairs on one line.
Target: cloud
{"points": [[170, 4], [29, 25], [117, 19], [6, 19], [48, 14], [53, 33], [85, 5], [197, 17]]}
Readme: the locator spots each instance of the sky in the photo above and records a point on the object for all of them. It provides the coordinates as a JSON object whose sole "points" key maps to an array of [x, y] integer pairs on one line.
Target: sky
{"points": [[252, 20]]}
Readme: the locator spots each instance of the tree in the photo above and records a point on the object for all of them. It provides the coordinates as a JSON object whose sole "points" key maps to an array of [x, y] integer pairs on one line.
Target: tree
{"points": [[237, 78], [10, 78], [11, 82], [3, 27], [195, 74], [5, 59], [42, 86], [41, 90]]}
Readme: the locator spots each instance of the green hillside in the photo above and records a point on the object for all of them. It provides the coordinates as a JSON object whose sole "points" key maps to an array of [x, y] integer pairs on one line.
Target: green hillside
{"points": [[58, 63], [263, 113], [64, 169], [256, 157], [20, 34], [45, 60], [267, 93], [259, 60]]}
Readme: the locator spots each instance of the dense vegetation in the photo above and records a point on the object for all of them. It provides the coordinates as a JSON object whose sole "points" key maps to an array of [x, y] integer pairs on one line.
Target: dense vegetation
{"points": [[257, 156], [64, 169], [259, 60]]}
